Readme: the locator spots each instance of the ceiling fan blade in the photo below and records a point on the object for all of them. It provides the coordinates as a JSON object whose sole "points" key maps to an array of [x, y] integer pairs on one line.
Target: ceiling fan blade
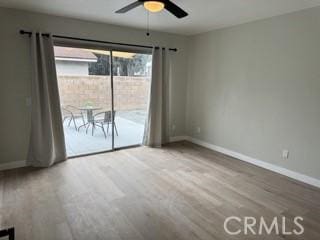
{"points": [[129, 7], [175, 10]]}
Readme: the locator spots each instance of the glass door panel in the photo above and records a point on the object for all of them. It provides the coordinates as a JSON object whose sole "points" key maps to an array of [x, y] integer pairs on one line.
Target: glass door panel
{"points": [[131, 84], [85, 95]]}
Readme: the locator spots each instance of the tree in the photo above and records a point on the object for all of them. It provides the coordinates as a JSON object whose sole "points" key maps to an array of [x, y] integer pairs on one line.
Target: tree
{"points": [[121, 66], [101, 67]]}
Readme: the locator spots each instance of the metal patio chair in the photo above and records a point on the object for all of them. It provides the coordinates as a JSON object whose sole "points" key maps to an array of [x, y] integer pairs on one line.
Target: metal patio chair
{"points": [[72, 113], [104, 118]]}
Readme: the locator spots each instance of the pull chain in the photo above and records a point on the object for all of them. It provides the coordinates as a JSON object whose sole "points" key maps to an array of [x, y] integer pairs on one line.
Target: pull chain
{"points": [[148, 24]]}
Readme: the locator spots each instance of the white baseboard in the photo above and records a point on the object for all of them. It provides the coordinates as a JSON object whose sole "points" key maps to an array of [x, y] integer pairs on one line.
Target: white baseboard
{"points": [[12, 165], [286, 172], [281, 170]]}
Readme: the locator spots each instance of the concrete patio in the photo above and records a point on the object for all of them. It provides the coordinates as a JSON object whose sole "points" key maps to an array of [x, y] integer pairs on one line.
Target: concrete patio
{"points": [[130, 127]]}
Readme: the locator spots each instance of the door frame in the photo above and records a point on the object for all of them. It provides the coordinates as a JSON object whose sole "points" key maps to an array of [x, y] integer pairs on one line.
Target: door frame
{"points": [[110, 49]]}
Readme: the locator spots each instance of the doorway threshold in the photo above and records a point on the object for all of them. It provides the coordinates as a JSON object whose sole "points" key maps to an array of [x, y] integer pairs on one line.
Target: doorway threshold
{"points": [[102, 152]]}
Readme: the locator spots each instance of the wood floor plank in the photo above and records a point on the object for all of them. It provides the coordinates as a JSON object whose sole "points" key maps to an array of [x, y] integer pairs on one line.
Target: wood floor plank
{"points": [[179, 192]]}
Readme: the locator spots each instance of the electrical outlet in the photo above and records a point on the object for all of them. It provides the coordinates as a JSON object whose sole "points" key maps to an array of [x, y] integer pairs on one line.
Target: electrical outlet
{"points": [[285, 154], [174, 127], [198, 130]]}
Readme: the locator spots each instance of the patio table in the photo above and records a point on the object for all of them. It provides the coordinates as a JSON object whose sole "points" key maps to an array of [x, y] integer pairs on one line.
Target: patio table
{"points": [[89, 112]]}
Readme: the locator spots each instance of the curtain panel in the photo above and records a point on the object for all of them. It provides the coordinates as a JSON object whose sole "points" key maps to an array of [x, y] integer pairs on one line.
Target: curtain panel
{"points": [[47, 144], [156, 127]]}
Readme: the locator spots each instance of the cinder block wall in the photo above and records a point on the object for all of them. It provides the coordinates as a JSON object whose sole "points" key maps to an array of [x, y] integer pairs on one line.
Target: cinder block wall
{"points": [[130, 93]]}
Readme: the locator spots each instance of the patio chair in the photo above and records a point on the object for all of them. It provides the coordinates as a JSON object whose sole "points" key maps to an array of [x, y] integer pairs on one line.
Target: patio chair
{"points": [[102, 118], [72, 113]]}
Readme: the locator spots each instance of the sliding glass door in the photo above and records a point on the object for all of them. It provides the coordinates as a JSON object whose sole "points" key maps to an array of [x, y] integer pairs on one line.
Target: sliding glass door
{"points": [[131, 84], [85, 96], [101, 91]]}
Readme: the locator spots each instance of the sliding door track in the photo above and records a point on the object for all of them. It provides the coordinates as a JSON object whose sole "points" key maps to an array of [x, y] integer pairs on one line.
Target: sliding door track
{"points": [[107, 151]]}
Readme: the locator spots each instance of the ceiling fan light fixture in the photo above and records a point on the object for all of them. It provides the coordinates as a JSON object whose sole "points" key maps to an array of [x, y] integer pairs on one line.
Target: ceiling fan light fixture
{"points": [[153, 6]]}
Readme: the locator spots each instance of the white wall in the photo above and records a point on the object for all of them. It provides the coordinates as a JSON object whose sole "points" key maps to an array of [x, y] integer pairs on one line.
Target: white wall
{"points": [[252, 88], [72, 68], [15, 69], [255, 89]]}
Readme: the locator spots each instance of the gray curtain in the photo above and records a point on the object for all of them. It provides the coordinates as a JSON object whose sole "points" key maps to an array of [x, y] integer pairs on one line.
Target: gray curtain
{"points": [[47, 144], [156, 128]]}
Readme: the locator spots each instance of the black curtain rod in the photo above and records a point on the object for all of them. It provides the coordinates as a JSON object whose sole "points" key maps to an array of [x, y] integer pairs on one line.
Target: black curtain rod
{"points": [[96, 41]]}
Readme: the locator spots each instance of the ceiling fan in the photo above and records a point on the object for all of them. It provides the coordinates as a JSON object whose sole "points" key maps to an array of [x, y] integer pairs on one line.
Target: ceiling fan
{"points": [[156, 6]]}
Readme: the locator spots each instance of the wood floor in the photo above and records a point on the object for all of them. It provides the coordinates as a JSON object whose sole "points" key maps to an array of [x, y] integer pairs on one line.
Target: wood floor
{"points": [[179, 192]]}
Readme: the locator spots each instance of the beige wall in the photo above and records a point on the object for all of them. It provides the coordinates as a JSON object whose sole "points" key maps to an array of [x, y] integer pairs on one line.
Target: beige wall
{"points": [[255, 89], [15, 70], [252, 88], [130, 93]]}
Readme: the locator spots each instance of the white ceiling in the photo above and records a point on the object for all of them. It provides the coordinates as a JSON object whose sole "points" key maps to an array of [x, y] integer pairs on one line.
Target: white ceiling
{"points": [[204, 15]]}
